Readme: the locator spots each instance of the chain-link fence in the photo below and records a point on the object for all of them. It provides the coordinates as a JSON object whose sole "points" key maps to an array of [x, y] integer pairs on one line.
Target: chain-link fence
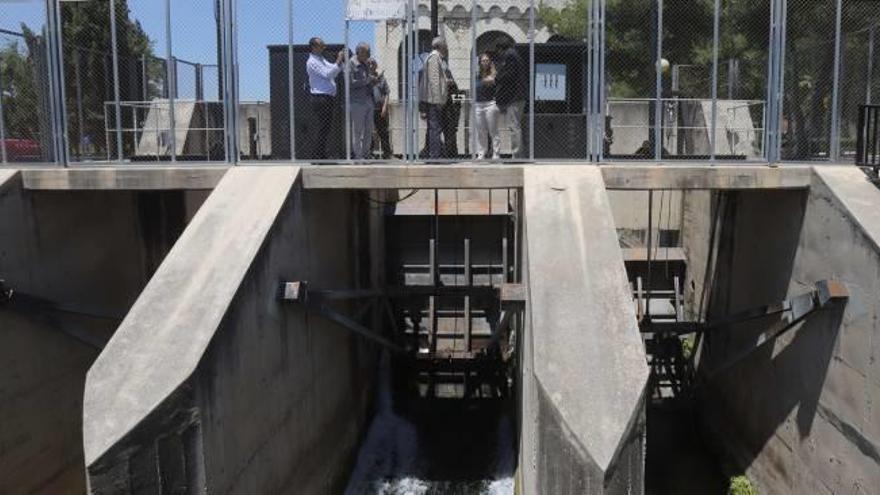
{"points": [[859, 68], [24, 126], [345, 80]]}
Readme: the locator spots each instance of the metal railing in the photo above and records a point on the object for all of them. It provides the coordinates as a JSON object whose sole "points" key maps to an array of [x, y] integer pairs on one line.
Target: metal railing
{"points": [[868, 138], [646, 80]]}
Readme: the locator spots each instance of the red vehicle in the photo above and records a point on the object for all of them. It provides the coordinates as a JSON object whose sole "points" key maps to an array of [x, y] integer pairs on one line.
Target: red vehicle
{"points": [[22, 150]]}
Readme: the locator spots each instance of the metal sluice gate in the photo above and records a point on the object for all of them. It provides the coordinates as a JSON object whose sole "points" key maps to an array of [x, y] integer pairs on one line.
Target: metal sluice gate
{"points": [[452, 307]]}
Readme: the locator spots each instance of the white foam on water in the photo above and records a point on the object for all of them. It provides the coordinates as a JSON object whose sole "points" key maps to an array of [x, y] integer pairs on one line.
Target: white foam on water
{"points": [[390, 460], [503, 486]]}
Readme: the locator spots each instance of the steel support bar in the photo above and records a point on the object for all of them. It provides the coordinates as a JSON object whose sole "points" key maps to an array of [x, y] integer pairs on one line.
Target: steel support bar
{"points": [[872, 33], [766, 337], [114, 52], [794, 309], [716, 33], [475, 73], [347, 73], [658, 103], [57, 100], [229, 68], [531, 37], [299, 292], [3, 158], [291, 108], [834, 150], [171, 77], [357, 328]]}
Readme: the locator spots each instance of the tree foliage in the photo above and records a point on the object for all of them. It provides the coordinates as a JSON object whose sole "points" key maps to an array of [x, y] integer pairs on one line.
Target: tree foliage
{"points": [[744, 37], [88, 49], [18, 73]]}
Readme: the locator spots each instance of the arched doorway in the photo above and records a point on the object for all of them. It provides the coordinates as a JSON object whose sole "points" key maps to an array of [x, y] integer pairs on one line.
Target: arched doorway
{"points": [[424, 48], [489, 41]]}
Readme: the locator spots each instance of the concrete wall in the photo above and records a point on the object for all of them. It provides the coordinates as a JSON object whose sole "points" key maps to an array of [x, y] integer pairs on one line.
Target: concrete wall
{"points": [[630, 212], [211, 384], [92, 252], [698, 215], [800, 415], [583, 363]]}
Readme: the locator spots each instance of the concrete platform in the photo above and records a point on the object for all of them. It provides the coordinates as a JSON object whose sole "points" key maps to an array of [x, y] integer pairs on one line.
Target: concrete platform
{"points": [[208, 382]]}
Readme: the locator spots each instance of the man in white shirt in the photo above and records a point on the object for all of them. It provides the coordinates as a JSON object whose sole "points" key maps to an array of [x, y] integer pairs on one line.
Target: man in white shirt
{"points": [[322, 88]]}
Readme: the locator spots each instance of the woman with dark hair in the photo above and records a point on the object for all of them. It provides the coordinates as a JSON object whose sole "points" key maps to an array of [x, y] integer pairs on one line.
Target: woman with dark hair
{"points": [[486, 124]]}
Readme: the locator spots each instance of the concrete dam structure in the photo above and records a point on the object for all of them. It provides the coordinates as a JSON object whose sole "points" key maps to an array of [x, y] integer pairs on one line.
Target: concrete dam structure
{"points": [[430, 329]]}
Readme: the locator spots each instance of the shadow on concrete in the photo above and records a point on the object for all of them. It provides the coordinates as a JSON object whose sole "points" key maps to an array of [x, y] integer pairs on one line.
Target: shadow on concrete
{"points": [[745, 405]]}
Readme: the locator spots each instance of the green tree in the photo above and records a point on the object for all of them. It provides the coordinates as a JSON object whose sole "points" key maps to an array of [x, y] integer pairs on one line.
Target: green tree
{"points": [[18, 71], [87, 45]]}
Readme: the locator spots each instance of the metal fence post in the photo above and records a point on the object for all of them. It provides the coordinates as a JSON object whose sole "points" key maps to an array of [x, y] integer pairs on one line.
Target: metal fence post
{"points": [[600, 78], [230, 96], [145, 80], [347, 108], [870, 79], [290, 89], [834, 148], [80, 122], [114, 52], [587, 106], [171, 77], [200, 83], [3, 158], [777, 117], [658, 104], [411, 93], [55, 65], [475, 67], [595, 79], [531, 81], [716, 28], [776, 77]]}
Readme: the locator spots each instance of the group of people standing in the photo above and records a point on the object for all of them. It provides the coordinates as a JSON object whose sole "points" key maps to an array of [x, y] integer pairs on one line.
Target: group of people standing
{"points": [[500, 90], [368, 96]]}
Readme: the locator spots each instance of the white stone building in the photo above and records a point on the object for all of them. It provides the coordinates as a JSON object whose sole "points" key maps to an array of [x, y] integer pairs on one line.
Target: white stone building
{"points": [[495, 19]]}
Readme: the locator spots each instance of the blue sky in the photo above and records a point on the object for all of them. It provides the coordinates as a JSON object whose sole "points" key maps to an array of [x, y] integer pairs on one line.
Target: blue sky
{"points": [[261, 23]]}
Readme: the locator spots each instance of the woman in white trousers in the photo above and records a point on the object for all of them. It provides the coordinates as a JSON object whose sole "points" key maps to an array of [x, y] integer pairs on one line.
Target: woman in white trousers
{"points": [[486, 124]]}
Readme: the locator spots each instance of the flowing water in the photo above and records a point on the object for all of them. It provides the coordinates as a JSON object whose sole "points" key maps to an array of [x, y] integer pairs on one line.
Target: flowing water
{"points": [[436, 446]]}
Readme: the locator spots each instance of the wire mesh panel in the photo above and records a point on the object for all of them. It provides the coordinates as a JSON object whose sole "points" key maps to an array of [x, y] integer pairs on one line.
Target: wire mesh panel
{"points": [[742, 79], [559, 80], [264, 99], [25, 128], [686, 106], [630, 75], [90, 85], [368, 90], [859, 68], [318, 80], [521, 79], [198, 118], [143, 128], [809, 77]]}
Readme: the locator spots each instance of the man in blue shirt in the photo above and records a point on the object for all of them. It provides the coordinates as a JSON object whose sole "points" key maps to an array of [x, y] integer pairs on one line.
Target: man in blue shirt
{"points": [[322, 88]]}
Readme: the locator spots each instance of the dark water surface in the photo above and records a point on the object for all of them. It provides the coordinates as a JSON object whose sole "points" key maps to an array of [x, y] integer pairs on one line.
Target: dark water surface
{"points": [[423, 446]]}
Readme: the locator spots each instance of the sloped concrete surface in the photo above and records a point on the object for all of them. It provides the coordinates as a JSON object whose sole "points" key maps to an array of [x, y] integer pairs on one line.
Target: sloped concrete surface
{"points": [[6, 178], [162, 339], [801, 415], [583, 343]]}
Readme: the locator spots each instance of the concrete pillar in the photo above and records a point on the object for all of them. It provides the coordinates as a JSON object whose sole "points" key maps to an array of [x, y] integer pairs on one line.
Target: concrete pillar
{"points": [[233, 390], [584, 365]]}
